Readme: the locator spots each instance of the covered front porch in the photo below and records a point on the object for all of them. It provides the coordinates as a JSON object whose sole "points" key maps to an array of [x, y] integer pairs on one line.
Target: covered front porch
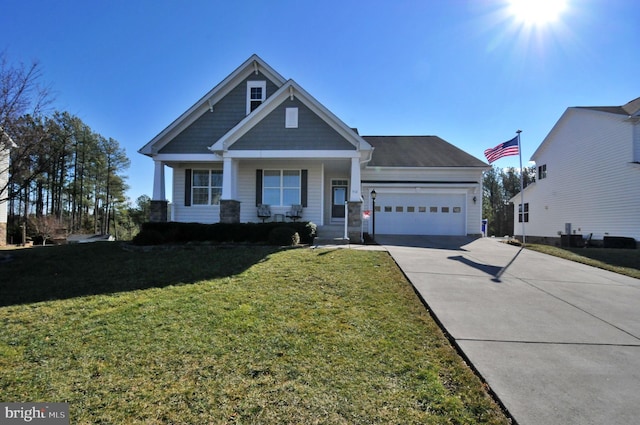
{"points": [[328, 188]]}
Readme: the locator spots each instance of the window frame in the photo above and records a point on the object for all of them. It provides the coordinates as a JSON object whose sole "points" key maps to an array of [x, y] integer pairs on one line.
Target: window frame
{"points": [[281, 187], [261, 84], [525, 213], [210, 187], [542, 171]]}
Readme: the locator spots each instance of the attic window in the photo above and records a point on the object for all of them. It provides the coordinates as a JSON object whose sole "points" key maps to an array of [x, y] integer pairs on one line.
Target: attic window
{"points": [[256, 94], [291, 118]]}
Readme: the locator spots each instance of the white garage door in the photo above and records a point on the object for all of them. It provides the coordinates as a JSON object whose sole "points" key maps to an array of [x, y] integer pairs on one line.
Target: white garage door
{"points": [[420, 214]]}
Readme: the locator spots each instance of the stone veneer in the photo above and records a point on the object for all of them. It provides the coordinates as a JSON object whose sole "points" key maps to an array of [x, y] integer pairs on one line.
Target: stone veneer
{"points": [[354, 223], [229, 211], [158, 213], [3, 234]]}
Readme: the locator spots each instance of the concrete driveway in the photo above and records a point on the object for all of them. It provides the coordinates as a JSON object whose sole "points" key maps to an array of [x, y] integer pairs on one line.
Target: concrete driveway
{"points": [[557, 341]]}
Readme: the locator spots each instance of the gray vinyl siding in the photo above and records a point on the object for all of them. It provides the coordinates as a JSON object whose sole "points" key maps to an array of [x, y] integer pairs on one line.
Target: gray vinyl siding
{"points": [[313, 133], [209, 127]]}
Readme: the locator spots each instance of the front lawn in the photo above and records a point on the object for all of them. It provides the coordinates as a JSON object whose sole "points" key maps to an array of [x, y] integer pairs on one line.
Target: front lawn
{"points": [[213, 335], [623, 261]]}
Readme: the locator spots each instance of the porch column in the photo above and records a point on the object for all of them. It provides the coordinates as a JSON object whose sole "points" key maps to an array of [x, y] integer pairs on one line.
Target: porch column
{"points": [[229, 207], [229, 175], [159, 202], [355, 180], [158, 182]]}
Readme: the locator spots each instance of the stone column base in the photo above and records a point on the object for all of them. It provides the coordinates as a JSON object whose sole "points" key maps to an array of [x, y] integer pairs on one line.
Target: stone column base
{"points": [[354, 222], [158, 213], [229, 211], [3, 234]]}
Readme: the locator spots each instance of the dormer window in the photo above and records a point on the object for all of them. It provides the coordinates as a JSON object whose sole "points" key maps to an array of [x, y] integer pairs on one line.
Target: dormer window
{"points": [[256, 94]]}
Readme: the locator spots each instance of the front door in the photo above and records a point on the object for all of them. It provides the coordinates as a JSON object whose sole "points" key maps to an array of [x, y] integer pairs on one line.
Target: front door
{"points": [[338, 198]]}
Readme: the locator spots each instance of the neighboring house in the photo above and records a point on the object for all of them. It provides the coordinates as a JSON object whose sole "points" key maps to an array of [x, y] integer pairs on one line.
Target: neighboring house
{"points": [[257, 138], [5, 145], [588, 176]]}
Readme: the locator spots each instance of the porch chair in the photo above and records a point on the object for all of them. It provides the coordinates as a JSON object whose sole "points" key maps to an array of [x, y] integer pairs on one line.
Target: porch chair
{"points": [[295, 213], [264, 211]]}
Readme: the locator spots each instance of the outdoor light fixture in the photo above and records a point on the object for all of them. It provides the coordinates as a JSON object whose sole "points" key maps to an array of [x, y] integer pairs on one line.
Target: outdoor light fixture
{"points": [[474, 199], [373, 200]]}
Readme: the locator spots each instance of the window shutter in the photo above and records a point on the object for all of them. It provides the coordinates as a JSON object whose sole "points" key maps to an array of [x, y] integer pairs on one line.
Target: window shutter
{"points": [[258, 187], [187, 187], [303, 187]]}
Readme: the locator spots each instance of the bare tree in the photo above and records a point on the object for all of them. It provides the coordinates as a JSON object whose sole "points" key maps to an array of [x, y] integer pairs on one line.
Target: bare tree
{"points": [[22, 95]]}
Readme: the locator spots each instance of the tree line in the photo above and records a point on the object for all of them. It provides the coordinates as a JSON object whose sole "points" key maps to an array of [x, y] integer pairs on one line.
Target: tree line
{"points": [[499, 186], [62, 176]]}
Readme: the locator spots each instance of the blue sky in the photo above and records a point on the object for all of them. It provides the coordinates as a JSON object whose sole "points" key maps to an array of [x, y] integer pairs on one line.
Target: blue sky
{"points": [[468, 71]]}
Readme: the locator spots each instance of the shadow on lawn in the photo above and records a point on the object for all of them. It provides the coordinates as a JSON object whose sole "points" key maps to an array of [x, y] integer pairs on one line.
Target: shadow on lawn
{"points": [[61, 272]]}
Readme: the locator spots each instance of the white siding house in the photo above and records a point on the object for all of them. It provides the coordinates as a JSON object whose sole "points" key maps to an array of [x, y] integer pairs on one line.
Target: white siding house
{"points": [[588, 176]]}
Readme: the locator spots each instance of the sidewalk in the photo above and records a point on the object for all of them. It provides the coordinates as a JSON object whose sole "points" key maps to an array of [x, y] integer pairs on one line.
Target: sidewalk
{"points": [[557, 341]]}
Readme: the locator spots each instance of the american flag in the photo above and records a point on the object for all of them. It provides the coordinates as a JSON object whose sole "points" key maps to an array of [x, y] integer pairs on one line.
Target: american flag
{"points": [[503, 149]]}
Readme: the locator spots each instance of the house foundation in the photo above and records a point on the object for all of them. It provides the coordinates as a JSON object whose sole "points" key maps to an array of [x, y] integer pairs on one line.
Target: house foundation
{"points": [[158, 211], [229, 211]]}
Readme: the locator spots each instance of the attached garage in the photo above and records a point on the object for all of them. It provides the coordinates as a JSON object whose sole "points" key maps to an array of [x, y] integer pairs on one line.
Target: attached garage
{"points": [[424, 186], [421, 214]]}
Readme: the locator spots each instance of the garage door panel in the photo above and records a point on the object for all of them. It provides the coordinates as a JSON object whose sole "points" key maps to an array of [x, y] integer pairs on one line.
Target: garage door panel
{"points": [[420, 214]]}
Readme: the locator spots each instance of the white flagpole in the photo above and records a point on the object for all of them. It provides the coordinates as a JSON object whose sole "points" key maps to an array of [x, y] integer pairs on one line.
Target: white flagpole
{"points": [[521, 209]]}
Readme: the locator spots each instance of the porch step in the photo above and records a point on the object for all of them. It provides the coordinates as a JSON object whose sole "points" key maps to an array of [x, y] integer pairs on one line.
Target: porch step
{"points": [[331, 235]]}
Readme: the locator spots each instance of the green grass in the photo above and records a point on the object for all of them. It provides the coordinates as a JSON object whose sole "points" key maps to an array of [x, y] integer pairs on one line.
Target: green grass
{"points": [[622, 261], [249, 335]]}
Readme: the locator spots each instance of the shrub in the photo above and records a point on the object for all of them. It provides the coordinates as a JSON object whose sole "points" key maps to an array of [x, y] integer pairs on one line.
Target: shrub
{"points": [[283, 236], [148, 237], [173, 232]]}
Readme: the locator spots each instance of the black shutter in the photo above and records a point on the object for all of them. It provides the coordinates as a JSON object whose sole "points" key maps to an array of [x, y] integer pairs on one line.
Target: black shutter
{"points": [[304, 187], [187, 187], [258, 187]]}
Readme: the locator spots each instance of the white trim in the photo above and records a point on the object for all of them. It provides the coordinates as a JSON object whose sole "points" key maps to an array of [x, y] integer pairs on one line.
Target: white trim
{"points": [[271, 154], [377, 167], [187, 157]]}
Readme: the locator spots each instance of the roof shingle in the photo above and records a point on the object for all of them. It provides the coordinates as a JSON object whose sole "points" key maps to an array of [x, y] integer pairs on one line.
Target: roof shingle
{"points": [[418, 151]]}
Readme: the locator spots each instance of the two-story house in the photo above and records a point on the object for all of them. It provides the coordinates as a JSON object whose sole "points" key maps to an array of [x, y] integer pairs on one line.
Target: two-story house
{"points": [[588, 176]]}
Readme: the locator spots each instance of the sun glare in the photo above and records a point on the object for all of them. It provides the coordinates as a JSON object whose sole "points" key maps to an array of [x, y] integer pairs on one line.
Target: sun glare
{"points": [[537, 12]]}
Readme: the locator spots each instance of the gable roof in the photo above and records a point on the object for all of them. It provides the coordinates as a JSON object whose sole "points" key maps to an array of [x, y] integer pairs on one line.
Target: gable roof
{"points": [[253, 64], [630, 108], [288, 90], [418, 151]]}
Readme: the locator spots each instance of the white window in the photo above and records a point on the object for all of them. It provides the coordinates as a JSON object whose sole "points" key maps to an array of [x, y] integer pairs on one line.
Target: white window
{"points": [[256, 94], [291, 118], [523, 215], [281, 187], [206, 188]]}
